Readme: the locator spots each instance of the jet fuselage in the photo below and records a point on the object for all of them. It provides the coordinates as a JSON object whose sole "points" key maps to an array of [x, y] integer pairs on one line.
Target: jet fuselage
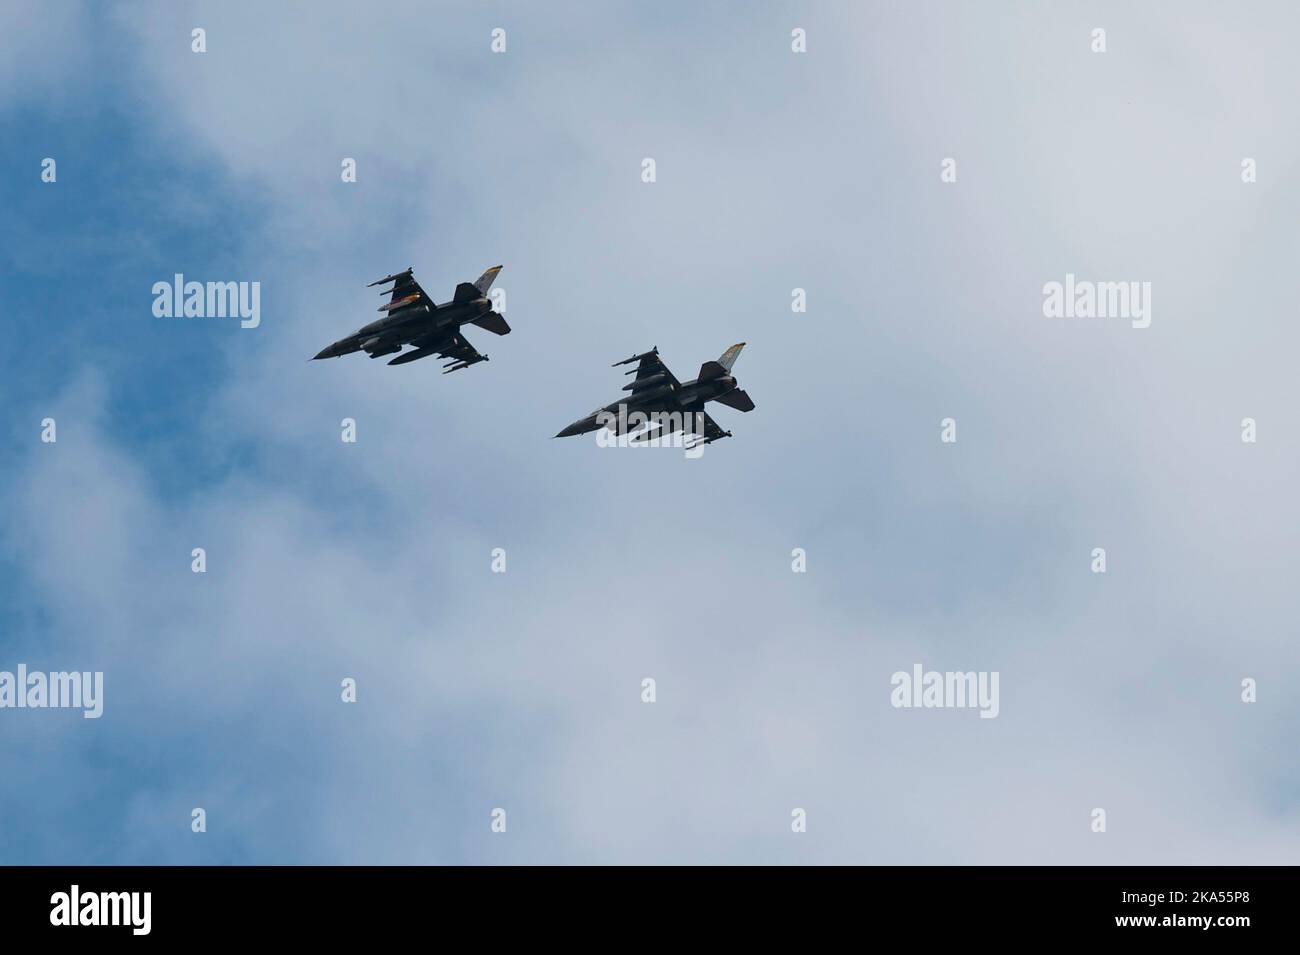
{"points": [[656, 397], [404, 325]]}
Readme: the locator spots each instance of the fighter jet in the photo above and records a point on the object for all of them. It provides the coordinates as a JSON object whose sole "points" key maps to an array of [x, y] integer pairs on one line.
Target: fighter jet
{"points": [[655, 391], [412, 318]]}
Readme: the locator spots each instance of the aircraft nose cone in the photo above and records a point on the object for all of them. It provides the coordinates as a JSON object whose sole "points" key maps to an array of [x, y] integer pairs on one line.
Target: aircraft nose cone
{"points": [[325, 353], [575, 428]]}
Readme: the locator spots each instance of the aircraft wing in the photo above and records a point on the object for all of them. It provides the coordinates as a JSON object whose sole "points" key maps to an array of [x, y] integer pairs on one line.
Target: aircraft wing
{"points": [[454, 346], [459, 348], [711, 431], [650, 365], [692, 437], [405, 291]]}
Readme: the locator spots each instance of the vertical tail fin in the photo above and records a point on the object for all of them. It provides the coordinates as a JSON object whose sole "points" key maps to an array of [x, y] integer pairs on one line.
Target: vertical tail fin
{"points": [[486, 279], [716, 369], [728, 357]]}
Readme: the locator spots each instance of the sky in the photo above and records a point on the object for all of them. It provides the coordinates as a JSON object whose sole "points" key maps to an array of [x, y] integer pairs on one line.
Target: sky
{"points": [[523, 691]]}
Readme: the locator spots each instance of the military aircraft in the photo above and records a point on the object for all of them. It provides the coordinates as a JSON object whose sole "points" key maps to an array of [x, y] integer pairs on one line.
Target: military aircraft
{"points": [[655, 392], [415, 319]]}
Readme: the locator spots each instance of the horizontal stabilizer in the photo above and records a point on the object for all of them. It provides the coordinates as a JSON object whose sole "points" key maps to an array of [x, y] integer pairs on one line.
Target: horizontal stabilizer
{"points": [[493, 322], [466, 293], [737, 399]]}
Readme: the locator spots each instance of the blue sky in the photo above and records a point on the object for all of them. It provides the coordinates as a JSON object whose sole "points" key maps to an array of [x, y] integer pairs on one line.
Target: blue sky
{"points": [[522, 690]]}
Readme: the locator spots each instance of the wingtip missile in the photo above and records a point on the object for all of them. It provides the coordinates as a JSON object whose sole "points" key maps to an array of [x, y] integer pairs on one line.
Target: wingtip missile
{"points": [[392, 278], [627, 361], [460, 363], [699, 442]]}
